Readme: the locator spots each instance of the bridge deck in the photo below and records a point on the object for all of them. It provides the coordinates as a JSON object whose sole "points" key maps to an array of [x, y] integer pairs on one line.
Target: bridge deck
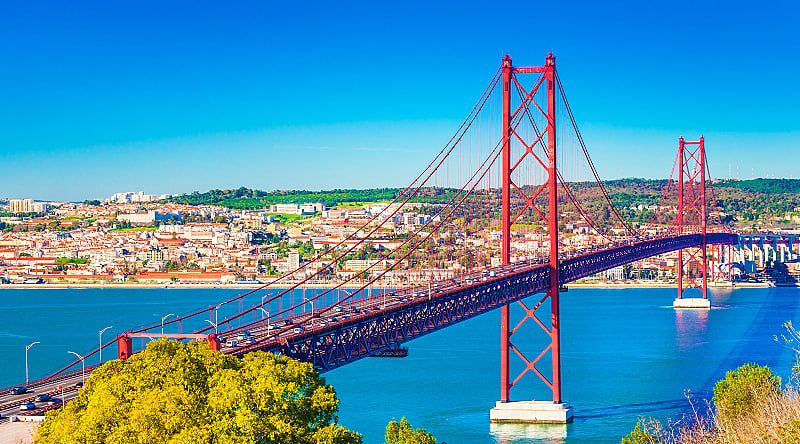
{"points": [[409, 314]]}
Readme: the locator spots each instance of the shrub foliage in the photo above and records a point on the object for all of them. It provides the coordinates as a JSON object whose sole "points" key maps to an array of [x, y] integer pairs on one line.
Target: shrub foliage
{"points": [[186, 393], [743, 389]]}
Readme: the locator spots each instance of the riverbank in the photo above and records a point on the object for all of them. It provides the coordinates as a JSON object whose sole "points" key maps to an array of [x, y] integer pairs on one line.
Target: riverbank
{"points": [[180, 286]]}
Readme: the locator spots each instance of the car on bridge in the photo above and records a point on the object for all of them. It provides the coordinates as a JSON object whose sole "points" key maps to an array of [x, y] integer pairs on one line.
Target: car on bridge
{"points": [[42, 397], [27, 406], [19, 390]]}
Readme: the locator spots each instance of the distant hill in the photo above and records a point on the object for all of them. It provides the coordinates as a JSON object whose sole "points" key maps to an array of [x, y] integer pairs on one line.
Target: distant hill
{"points": [[759, 202], [249, 199], [765, 186]]}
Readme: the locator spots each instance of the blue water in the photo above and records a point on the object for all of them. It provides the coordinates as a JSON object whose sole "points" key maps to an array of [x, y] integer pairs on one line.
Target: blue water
{"points": [[626, 353]]}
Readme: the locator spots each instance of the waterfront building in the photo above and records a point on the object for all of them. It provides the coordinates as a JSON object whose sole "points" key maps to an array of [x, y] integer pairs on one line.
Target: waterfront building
{"points": [[363, 264]]}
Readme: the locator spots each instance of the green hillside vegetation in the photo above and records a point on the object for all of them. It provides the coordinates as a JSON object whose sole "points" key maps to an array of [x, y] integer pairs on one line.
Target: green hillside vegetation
{"points": [[72, 260], [745, 203], [765, 186], [249, 199]]}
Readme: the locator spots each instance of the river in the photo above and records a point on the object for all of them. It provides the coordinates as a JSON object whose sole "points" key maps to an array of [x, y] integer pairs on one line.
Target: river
{"points": [[626, 353]]}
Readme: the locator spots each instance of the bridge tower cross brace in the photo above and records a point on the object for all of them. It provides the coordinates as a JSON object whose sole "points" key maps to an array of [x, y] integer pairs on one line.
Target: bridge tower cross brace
{"points": [[511, 118], [692, 213]]}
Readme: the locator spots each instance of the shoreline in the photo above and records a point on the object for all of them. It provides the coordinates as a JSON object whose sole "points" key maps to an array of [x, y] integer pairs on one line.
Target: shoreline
{"points": [[600, 285]]}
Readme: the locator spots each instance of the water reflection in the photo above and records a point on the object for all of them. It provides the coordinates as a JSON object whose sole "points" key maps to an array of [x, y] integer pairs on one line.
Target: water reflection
{"points": [[543, 433], [720, 295], [690, 327]]}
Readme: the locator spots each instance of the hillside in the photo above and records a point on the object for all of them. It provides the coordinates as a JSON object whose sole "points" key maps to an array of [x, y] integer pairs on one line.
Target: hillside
{"points": [[249, 199], [751, 204]]}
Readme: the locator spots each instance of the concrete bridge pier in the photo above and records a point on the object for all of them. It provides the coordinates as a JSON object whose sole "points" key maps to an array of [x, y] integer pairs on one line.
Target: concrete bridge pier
{"points": [[692, 303], [532, 412]]}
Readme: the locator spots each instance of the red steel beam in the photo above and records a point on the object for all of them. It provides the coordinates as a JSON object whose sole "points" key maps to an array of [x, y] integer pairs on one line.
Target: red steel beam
{"points": [[550, 68], [692, 174], [505, 251], [549, 165]]}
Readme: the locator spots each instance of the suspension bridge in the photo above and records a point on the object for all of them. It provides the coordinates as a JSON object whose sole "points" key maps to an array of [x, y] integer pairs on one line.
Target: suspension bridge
{"points": [[502, 220]]}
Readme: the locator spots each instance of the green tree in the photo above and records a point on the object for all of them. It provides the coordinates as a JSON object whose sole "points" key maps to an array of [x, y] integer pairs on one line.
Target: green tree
{"points": [[402, 433], [744, 389], [72, 260], [177, 393], [269, 269]]}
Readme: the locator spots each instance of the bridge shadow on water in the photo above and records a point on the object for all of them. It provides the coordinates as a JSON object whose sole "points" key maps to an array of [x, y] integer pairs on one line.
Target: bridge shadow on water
{"points": [[756, 344], [638, 409]]}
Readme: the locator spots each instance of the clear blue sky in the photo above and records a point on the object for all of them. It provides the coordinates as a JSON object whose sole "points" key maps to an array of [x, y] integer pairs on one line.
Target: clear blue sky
{"points": [[175, 96]]}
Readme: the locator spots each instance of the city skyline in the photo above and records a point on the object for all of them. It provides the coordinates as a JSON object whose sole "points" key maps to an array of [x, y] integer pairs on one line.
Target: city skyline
{"points": [[133, 102]]}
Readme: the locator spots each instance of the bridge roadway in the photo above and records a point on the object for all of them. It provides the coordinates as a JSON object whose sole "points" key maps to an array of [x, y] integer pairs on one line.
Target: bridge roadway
{"points": [[418, 311], [339, 334], [64, 387]]}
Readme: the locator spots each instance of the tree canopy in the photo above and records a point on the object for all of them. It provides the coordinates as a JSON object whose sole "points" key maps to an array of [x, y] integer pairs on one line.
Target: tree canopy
{"points": [[176, 393], [402, 433]]}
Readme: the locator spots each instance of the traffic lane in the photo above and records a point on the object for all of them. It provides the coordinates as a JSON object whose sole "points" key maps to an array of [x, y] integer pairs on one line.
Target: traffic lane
{"points": [[10, 404]]}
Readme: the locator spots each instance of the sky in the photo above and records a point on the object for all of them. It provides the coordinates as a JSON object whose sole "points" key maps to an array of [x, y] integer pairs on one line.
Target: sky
{"points": [[98, 97]]}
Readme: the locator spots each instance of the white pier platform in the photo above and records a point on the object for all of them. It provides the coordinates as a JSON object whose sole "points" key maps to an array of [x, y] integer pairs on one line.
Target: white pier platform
{"points": [[532, 412], [692, 303]]}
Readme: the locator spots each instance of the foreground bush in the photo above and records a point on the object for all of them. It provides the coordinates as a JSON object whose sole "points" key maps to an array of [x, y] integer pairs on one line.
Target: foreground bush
{"points": [[645, 432], [749, 407], [185, 393], [743, 389], [402, 433]]}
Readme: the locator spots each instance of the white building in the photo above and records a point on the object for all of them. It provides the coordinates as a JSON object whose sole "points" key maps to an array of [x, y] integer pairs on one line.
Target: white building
{"points": [[312, 208], [131, 197], [40, 207], [614, 274], [138, 218], [363, 264], [309, 208], [294, 260]]}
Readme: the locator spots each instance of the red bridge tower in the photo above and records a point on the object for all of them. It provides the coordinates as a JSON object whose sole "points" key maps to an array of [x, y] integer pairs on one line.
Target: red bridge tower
{"points": [[692, 218], [525, 113]]}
